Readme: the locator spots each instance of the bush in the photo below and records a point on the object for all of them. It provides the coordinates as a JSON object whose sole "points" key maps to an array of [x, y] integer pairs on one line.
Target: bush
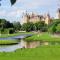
{"points": [[11, 31], [7, 31], [4, 31]]}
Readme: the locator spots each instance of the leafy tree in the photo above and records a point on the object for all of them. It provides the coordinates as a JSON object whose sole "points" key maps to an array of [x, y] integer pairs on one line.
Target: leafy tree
{"points": [[16, 25], [52, 27], [58, 28], [39, 26], [27, 27], [12, 2], [8, 24], [5, 24]]}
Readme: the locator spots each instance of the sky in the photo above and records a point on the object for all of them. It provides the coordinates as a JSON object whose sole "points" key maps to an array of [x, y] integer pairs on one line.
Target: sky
{"points": [[14, 13]]}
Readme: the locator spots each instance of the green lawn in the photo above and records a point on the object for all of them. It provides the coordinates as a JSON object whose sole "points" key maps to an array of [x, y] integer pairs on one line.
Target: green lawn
{"points": [[41, 53], [8, 41], [15, 34], [43, 36]]}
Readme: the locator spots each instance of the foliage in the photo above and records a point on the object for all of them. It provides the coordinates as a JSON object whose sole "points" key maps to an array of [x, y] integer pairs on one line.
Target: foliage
{"points": [[11, 30], [5, 24], [34, 26], [4, 31], [12, 1], [27, 27], [43, 37], [53, 25], [41, 26], [58, 28], [52, 29], [16, 25]]}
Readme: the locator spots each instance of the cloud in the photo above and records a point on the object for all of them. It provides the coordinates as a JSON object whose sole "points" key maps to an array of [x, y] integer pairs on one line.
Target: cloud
{"points": [[2, 12], [15, 13], [35, 3]]}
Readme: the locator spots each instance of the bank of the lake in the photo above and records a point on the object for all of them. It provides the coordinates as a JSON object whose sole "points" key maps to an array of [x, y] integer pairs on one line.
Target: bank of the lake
{"points": [[8, 42], [15, 34], [44, 37], [40, 53]]}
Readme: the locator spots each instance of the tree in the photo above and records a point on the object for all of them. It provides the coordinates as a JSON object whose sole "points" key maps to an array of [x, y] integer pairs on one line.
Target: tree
{"points": [[5, 24], [16, 25], [12, 2], [27, 27], [58, 28], [52, 27], [39, 26], [8, 24]]}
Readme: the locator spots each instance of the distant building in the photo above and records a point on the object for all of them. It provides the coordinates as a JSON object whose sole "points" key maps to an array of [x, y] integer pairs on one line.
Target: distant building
{"points": [[58, 14], [47, 19], [35, 18], [25, 18]]}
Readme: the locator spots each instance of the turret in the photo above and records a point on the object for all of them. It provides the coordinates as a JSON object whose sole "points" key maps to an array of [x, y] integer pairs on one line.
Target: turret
{"points": [[58, 14], [47, 19]]}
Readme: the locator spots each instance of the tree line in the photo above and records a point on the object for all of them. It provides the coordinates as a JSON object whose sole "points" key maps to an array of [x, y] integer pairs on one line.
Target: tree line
{"points": [[38, 26], [4, 24]]}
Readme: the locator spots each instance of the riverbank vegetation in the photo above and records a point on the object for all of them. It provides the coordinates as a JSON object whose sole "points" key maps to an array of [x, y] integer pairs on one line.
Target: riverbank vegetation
{"points": [[14, 34], [45, 36], [40, 53], [8, 42]]}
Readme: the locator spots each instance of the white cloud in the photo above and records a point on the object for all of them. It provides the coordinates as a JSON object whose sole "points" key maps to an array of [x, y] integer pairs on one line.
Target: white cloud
{"points": [[35, 3], [15, 13], [2, 12]]}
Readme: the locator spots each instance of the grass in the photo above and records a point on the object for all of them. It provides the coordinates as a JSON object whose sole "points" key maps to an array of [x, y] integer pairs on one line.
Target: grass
{"points": [[8, 41], [43, 37], [40, 53], [15, 34], [10, 35]]}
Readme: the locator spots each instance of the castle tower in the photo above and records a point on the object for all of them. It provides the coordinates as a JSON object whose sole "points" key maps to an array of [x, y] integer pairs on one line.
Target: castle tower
{"points": [[47, 19], [58, 14], [25, 18], [34, 18]]}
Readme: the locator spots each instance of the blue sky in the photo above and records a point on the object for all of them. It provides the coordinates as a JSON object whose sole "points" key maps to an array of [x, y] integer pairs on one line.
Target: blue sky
{"points": [[14, 13]]}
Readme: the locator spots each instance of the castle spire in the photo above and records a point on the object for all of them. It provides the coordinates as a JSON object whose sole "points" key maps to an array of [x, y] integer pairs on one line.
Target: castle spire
{"points": [[47, 19], [58, 13]]}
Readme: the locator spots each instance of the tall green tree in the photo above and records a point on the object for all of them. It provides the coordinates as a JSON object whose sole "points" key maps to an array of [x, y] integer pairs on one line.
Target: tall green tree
{"points": [[12, 1], [27, 27], [58, 28], [39, 26], [17, 25], [5, 24]]}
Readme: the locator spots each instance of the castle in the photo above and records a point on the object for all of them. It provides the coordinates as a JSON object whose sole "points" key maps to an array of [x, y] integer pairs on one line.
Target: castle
{"points": [[58, 14], [37, 18]]}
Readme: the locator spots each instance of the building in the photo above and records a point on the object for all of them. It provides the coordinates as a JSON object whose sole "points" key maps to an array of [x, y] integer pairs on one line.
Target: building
{"points": [[25, 18], [58, 14], [35, 18], [47, 19]]}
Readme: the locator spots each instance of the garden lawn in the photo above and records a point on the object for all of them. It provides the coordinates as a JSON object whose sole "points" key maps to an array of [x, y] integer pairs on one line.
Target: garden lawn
{"points": [[43, 37], [8, 41], [41, 53], [15, 34]]}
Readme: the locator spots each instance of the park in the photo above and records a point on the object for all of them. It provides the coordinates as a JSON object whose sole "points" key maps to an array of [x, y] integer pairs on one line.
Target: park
{"points": [[27, 32]]}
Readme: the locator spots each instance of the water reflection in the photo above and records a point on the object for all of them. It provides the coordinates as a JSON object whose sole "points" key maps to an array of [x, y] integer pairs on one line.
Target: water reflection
{"points": [[10, 48]]}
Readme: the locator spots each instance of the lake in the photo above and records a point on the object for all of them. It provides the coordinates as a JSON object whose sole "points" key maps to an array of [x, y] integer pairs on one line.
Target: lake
{"points": [[11, 48]]}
